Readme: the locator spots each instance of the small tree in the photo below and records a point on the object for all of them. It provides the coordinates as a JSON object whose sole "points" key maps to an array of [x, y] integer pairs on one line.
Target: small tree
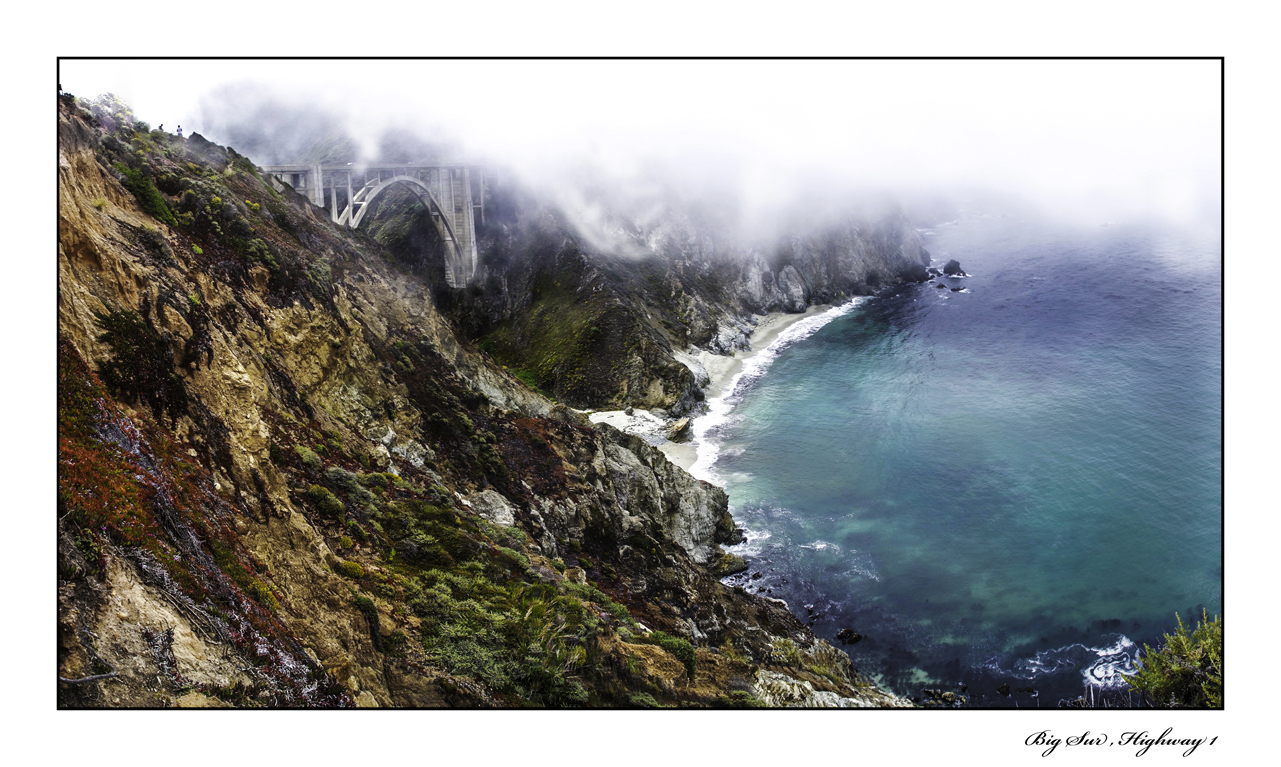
{"points": [[1187, 672]]}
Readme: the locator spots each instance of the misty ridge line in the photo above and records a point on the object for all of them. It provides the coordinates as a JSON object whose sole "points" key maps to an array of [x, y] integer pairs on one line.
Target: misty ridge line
{"points": [[616, 216]]}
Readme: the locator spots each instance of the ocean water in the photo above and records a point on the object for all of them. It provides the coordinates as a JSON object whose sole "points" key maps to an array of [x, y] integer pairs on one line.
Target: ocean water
{"points": [[1016, 483]]}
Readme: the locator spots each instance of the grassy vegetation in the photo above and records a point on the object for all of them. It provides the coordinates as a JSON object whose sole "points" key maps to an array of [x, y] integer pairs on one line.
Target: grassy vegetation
{"points": [[677, 646], [561, 345]]}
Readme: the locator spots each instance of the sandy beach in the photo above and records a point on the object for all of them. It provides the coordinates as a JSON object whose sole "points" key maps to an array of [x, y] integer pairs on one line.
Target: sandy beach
{"points": [[720, 371]]}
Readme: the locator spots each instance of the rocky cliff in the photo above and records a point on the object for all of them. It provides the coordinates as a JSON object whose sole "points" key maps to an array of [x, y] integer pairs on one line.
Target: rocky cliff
{"points": [[599, 310], [286, 479]]}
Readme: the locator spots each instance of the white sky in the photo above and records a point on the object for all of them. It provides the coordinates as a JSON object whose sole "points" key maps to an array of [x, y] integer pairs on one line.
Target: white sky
{"points": [[1106, 137]]}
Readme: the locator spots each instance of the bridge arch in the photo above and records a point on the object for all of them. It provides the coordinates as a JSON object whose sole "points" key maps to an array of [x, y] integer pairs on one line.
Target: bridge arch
{"points": [[460, 257]]}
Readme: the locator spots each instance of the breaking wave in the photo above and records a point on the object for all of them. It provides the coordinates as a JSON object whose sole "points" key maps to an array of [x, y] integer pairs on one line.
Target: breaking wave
{"points": [[707, 426]]}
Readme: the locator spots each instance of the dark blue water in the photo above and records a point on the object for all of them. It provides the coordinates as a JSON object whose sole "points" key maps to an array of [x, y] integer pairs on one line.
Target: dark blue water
{"points": [[1017, 483]]}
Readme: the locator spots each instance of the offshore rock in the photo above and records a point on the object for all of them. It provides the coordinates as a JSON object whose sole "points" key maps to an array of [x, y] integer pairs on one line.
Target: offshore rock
{"points": [[848, 636], [953, 269]]}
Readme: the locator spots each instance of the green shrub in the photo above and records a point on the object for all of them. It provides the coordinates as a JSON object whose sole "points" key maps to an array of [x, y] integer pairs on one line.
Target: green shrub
{"points": [[141, 367], [1187, 672], [196, 249], [309, 458], [786, 652], [374, 480], [265, 596], [424, 550], [350, 569], [257, 251], [739, 699], [100, 202], [344, 542], [326, 502], [349, 483], [680, 648], [643, 700], [515, 557], [589, 593], [149, 198]]}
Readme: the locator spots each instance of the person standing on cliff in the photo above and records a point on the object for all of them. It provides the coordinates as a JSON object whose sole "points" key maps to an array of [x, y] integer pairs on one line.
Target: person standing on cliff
{"points": [[179, 131]]}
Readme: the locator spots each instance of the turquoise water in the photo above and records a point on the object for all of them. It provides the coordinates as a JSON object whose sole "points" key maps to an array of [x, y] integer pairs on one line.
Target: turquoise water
{"points": [[1016, 484]]}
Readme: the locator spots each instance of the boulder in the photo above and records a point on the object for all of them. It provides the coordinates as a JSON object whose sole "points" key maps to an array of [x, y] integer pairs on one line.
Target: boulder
{"points": [[493, 507], [953, 268], [679, 431], [848, 636], [727, 564]]}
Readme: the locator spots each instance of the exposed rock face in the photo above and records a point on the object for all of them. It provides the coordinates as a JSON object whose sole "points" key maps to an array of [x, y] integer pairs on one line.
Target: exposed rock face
{"points": [[633, 300], [337, 490], [493, 507]]}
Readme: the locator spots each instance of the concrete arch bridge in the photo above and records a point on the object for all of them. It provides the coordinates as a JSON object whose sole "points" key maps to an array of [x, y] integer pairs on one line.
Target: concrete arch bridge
{"points": [[446, 189]]}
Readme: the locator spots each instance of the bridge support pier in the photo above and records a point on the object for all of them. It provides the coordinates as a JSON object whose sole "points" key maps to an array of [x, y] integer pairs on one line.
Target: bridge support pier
{"points": [[349, 205], [316, 187]]}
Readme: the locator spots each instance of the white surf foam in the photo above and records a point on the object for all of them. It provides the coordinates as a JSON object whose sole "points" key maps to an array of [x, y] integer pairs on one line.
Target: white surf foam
{"points": [[705, 427], [1105, 668]]}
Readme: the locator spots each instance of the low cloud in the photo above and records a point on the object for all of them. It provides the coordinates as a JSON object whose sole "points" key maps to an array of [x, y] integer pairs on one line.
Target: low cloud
{"points": [[753, 141]]}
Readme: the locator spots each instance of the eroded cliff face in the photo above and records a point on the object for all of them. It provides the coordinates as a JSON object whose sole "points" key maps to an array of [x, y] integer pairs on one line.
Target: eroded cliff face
{"points": [[284, 480]]}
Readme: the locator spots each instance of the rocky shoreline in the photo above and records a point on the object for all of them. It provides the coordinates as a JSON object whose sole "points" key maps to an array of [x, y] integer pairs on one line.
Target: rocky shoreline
{"points": [[713, 371], [285, 479]]}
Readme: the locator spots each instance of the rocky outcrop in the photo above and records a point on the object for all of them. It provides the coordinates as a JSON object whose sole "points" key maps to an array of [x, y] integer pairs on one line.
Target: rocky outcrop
{"points": [[633, 299]]}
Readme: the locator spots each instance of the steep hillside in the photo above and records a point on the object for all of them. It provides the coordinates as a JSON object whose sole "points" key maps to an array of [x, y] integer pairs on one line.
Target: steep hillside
{"points": [[597, 313], [285, 481]]}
